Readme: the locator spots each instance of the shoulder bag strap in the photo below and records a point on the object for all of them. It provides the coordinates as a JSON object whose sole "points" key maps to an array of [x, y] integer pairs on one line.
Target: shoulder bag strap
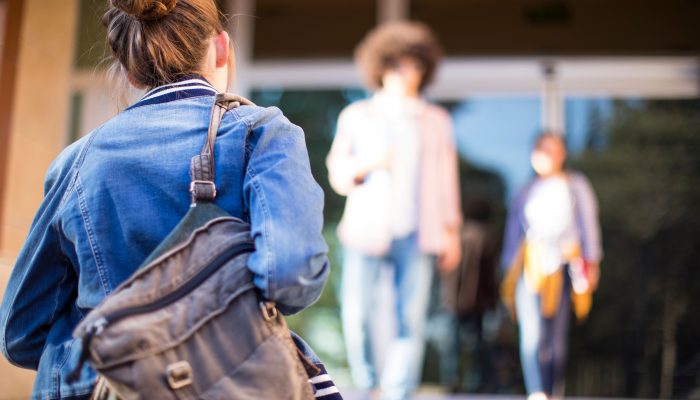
{"points": [[202, 186]]}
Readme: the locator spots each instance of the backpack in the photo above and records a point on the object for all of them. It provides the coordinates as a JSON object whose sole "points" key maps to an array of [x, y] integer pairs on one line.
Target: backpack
{"points": [[189, 323]]}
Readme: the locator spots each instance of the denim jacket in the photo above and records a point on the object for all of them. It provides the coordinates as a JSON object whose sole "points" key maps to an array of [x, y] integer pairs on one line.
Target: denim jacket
{"points": [[113, 195]]}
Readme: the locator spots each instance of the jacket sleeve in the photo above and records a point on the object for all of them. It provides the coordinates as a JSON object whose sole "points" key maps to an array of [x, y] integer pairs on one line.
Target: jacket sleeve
{"points": [[587, 218], [450, 185], [341, 163], [514, 231], [286, 214], [40, 286]]}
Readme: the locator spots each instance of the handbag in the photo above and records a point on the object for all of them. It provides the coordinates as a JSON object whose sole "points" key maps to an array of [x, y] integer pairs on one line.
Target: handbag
{"points": [[365, 225], [189, 323]]}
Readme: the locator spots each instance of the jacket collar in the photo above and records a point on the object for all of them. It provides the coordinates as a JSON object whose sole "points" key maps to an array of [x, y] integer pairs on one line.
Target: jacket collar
{"points": [[188, 86]]}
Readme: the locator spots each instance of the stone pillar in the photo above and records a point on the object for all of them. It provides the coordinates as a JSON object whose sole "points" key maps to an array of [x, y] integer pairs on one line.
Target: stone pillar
{"points": [[392, 10], [39, 121], [552, 118], [37, 133]]}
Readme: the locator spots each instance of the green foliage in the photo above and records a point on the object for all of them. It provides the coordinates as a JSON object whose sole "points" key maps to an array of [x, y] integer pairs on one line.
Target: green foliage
{"points": [[644, 164]]}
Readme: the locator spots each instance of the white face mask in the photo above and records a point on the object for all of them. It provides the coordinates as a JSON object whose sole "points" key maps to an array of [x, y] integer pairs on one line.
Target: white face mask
{"points": [[404, 80], [542, 163]]}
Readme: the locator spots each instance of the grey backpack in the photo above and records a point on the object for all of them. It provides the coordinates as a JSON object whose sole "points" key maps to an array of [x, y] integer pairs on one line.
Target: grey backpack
{"points": [[189, 324]]}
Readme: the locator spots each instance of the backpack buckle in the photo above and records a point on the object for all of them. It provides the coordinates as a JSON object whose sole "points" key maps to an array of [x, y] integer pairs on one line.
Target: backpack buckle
{"points": [[202, 190], [179, 374], [269, 311]]}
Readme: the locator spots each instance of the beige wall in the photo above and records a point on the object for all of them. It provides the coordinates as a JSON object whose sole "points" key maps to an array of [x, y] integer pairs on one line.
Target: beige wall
{"points": [[40, 115], [37, 134]]}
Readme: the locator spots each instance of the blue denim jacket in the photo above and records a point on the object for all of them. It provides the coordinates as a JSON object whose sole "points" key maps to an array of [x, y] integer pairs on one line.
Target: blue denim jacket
{"points": [[112, 196]]}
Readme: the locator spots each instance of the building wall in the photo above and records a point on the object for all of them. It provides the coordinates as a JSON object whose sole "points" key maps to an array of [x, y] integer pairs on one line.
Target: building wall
{"points": [[40, 115], [37, 134]]}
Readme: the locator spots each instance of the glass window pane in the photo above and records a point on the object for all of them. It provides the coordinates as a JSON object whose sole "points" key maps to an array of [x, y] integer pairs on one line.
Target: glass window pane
{"points": [[496, 134]]}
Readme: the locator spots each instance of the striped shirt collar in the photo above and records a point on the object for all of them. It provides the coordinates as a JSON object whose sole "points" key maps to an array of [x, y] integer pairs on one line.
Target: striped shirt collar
{"points": [[186, 87]]}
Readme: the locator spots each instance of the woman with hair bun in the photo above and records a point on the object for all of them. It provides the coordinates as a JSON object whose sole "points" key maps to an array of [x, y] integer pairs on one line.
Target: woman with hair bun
{"points": [[111, 197]]}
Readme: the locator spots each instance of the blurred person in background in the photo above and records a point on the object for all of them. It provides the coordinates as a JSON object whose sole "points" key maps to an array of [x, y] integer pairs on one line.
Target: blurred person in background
{"points": [[462, 297], [393, 157], [552, 249]]}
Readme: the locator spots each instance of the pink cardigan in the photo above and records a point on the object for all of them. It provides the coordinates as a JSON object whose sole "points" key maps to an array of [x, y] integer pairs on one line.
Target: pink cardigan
{"points": [[439, 208]]}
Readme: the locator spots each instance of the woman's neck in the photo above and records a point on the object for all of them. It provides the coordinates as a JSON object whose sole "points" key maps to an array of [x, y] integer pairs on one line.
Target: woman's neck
{"points": [[555, 174]]}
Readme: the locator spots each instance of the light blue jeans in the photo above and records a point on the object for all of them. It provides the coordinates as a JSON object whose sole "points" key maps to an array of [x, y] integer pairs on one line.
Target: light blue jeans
{"points": [[543, 341], [413, 274]]}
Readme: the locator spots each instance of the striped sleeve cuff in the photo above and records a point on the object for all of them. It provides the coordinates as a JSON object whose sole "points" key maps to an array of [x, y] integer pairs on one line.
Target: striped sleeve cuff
{"points": [[323, 385]]}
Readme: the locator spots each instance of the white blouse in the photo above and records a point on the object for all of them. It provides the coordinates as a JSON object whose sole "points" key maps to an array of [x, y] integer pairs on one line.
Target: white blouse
{"points": [[549, 213], [397, 120]]}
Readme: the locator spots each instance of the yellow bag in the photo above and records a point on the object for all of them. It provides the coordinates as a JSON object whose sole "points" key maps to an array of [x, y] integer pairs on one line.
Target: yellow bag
{"points": [[549, 287]]}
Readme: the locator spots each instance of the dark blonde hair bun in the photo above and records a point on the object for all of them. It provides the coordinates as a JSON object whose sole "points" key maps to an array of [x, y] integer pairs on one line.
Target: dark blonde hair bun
{"points": [[145, 10], [156, 42]]}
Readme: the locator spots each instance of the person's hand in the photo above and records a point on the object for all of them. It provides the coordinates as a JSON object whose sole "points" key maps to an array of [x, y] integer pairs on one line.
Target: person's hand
{"points": [[379, 160], [451, 256], [593, 275]]}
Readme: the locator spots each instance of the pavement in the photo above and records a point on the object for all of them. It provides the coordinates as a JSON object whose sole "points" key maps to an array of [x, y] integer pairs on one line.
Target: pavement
{"points": [[429, 393]]}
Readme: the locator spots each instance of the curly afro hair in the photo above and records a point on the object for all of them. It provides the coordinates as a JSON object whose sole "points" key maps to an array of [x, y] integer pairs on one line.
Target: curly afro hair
{"points": [[384, 46]]}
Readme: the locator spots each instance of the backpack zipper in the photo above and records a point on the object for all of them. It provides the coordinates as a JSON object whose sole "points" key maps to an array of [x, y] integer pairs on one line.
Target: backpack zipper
{"points": [[182, 291], [96, 327]]}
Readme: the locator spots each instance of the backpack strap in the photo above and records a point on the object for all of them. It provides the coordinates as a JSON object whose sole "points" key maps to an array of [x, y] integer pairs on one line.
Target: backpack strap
{"points": [[202, 186]]}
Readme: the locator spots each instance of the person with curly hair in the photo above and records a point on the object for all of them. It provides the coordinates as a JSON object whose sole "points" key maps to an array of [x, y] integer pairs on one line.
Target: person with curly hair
{"points": [[393, 157]]}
